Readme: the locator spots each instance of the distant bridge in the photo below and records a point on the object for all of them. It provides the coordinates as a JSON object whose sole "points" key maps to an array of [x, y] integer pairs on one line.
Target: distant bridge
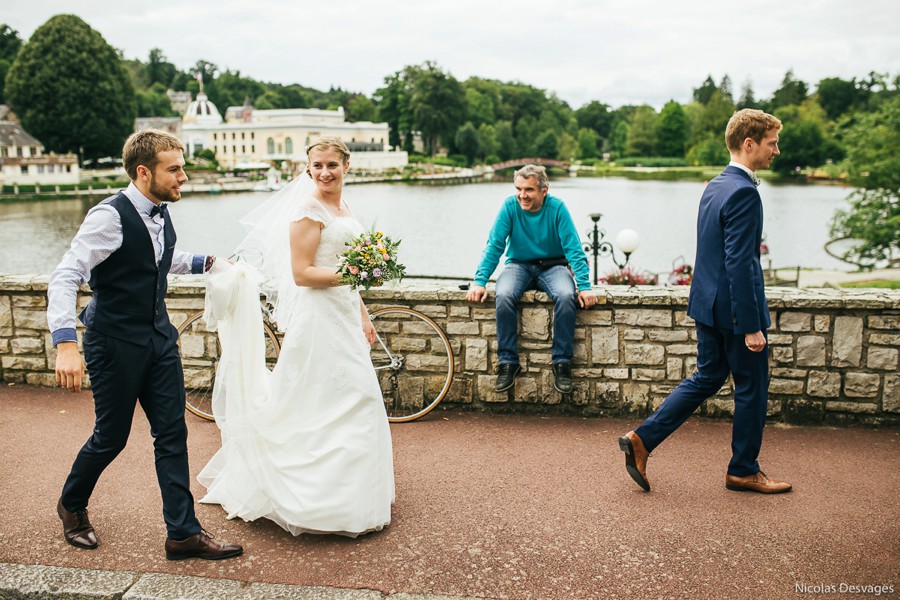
{"points": [[518, 162]]}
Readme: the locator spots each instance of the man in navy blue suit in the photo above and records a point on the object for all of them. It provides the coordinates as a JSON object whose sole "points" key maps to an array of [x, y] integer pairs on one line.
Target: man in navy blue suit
{"points": [[728, 304], [124, 250]]}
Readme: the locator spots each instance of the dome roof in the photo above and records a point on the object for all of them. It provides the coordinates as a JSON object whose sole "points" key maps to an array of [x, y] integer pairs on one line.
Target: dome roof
{"points": [[202, 111]]}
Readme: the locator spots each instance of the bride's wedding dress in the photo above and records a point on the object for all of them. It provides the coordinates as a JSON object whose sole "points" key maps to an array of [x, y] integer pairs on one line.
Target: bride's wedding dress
{"points": [[307, 445]]}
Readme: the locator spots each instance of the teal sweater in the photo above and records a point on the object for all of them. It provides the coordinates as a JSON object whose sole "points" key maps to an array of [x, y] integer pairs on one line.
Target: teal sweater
{"points": [[527, 236]]}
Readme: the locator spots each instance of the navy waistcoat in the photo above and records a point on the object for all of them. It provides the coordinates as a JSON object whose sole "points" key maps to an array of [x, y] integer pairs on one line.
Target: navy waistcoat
{"points": [[129, 289]]}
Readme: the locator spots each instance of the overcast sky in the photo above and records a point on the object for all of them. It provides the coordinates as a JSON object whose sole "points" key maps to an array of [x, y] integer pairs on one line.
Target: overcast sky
{"points": [[618, 52]]}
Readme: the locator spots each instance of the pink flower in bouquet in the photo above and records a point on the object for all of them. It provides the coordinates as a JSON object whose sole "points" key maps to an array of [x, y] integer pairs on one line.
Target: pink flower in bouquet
{"points": [[364, 275], [353, 269]]}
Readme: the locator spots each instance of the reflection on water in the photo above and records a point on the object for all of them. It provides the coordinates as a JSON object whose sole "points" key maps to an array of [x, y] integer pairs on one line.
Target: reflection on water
{"points": [[444, 228]]}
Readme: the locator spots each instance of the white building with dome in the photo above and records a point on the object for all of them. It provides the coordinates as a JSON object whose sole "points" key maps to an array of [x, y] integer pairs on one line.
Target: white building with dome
{"points": [[247, 136]]}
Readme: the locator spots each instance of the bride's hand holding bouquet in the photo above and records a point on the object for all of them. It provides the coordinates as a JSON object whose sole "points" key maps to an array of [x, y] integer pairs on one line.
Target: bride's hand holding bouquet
{"points": [[369, 260]]}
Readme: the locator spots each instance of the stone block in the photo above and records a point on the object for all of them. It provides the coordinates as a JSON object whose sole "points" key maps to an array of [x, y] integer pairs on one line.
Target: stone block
{"points": [[811, 351], [674, 369], [633, 335], [635, 397], [24, 363], [789, 373], [891, 399], [606, 394], [821, 323], [460, 310], [720, 407], [5, 312], [683, 320], [791, 387], [594, 317], [484, 314], [41, 379], [885, 339], [851, 407], [847, 341], [28, 345], [37, 581], [462, 328], [30, 319], [644, 354], [536, 323], [861, 385], [644, 317], [648, 374], [682, 349], [878, 358], [884, 322], [489, 328], [476, 354], [795, 321], [30, 301], [604, 345], [526, 390], [485, 390], [615, 373], [435, 311], [783, 355], [823, 384], [667, 335], [776, 339]]}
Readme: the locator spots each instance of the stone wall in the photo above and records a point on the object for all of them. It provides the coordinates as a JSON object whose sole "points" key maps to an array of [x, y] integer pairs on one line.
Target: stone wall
{"points": [[834, 354]]}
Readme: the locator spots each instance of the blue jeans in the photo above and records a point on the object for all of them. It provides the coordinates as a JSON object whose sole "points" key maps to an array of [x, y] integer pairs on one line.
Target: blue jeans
{"points": [[557, 282]]}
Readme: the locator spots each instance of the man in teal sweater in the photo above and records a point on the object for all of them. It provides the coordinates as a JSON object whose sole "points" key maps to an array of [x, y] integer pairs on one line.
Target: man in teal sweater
{"points": [[541, 243]]}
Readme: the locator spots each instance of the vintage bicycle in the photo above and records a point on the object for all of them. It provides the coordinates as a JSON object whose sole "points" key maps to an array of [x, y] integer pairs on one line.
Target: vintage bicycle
{"points": [[412, 358]]}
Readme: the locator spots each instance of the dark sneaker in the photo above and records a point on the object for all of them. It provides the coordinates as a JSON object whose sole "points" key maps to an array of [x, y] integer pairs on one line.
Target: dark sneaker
{"points": [[506, 376], [562, 377]]}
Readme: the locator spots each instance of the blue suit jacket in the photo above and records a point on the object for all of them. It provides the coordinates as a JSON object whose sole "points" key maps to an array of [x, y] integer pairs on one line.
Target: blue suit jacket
{"points": [[727, 288]]}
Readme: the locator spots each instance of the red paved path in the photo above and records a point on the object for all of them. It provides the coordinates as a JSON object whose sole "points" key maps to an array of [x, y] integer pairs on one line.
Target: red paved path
{"points": [[498, 506]]}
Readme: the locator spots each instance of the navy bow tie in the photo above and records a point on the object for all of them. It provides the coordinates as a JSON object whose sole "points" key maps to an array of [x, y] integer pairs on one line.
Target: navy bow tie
{"points": [[162, 209]]}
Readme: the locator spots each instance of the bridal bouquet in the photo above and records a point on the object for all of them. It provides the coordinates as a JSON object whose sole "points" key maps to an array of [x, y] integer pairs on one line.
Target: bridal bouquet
{"points": [[369, 260]]}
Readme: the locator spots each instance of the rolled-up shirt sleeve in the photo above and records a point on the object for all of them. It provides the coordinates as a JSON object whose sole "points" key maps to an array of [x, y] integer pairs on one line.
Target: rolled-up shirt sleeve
{"points": [[184, 263], [99, 236]]}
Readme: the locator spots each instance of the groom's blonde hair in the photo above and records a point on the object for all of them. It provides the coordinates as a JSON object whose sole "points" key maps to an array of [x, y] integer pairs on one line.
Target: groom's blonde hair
{"points": [[749, 123]]}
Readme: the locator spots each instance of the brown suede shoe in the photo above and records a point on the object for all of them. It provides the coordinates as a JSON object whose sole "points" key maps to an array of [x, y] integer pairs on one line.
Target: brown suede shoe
{"points": [[202, 546], [635, 458], [757, 483], [77, 529]]}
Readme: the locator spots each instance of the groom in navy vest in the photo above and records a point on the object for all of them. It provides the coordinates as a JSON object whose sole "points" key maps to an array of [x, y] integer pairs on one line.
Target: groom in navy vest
{"points": [[728, 304], [124, 250]]}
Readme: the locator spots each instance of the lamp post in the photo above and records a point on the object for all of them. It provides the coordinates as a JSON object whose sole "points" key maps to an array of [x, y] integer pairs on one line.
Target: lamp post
{"points": [[627, 241]]}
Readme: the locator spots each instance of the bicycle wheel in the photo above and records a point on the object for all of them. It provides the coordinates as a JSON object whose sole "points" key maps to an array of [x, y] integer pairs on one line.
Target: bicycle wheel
{"points": [[413, 361], [200, 351]]}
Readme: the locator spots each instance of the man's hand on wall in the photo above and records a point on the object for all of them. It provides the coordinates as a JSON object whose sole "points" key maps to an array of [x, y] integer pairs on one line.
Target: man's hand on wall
{"points": [[476, 294], [586, 299]]}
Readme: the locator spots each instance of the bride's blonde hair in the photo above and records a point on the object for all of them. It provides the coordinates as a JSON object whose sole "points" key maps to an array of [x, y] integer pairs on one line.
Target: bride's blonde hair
{"points": [[333, 143]]}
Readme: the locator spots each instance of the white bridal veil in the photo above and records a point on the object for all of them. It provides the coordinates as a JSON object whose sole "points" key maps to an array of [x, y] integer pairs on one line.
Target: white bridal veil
{"points": [[267, 245]]}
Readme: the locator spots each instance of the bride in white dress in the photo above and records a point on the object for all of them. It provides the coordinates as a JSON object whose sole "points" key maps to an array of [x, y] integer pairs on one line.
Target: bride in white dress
{"points": [[308, 445]]}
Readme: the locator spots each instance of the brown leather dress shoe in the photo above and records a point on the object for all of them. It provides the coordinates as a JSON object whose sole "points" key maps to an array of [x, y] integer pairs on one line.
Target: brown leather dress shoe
{"points": [[635, 458], [757, 483], [201, 545], [77, 529]]}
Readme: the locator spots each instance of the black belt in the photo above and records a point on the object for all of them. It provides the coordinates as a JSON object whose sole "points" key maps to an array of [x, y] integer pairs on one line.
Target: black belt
{"points": [[546, 263]]}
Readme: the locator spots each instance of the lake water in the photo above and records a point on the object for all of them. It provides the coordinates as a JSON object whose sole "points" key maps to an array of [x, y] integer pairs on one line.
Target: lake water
{"points": [[444, 228]]}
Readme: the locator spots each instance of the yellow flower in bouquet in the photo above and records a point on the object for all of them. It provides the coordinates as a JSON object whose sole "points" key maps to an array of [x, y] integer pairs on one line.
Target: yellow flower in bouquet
{"points": [[369, 260]]}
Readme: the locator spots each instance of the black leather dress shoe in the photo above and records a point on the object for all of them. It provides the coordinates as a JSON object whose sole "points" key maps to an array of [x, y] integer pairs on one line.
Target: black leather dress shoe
{"points": [[506, 375], [201, 545], [77, 529], [562, 377]]}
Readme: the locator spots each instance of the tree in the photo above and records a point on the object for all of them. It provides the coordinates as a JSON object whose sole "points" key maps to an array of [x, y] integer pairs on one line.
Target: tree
{"points": [[153, 102], [70, 90], [587, 143], [506, 141], [873, 164], [642, 132], [747, 99], [438, 105], [725, 87], [489, 145], [792, 91], [10, 44], [360, 108], [467, 142], [708, 151], [837, 96], [673, 130], [703, 93], [546, 145], [597, 116], [568, 146], [158, 69]]}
